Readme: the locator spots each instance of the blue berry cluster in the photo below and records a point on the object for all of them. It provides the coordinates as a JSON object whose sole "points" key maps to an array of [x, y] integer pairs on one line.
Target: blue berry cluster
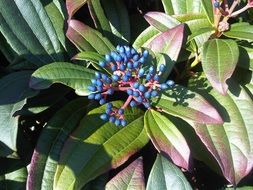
{"points": [[128, 75]]}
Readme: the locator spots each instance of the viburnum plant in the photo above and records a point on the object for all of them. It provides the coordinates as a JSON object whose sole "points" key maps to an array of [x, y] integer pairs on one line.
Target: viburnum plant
{"points": [[161, 106]]}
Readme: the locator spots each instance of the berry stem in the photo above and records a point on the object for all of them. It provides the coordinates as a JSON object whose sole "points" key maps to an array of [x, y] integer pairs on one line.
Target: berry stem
{"points": [[127, 102], [236, 13]]}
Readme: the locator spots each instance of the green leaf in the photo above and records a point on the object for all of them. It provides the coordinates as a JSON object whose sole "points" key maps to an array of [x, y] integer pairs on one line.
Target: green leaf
{"points": [[231, 143], [219, 59], [98, 139], [87, 39], [15, 180], [188, 105], [176, 7], [167, 139], [74, 76], [30, 32], [89, 56], [47, 152], [118, 18], [14, 90], [74, 6], [132, 177], [242, 31], [208, 7], [145, 37], [165, 175]]}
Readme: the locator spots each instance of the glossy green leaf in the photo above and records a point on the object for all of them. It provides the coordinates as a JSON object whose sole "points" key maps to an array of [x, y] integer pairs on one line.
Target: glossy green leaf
{"points": [[173, 43], [176, 7], [145, 37], [74, 76], [208, 7], [188, 105], [14, 90], [87, 39], [89, 56], [15, 180], [161, 21], [118, 18], [95, 139], [165, 175], [47, 152], [74, 6], [167, 138], [219, 59], [130, 178], [231, 143], [242, 31], [29, 30]]}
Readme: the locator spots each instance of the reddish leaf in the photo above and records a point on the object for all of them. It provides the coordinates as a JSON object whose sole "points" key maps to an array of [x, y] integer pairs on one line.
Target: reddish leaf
{"points": [[169, 42], [132, 177], [73, 6]]}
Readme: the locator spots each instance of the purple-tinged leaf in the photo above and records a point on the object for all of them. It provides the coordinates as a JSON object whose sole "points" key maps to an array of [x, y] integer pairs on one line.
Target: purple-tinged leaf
{"points": [[167, 138], [219, 59], [96, 146], [169, 42], [132, 177], [86, 38], [188, 105], [73, 6], [231, 143], [161, 21]]}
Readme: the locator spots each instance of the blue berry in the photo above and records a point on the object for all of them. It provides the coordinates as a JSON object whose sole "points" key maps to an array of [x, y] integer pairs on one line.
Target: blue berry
{"points": [[122, 67], [130, 92], [147, 94], [162, 68], [115, 77], [141, 72], [98, 75], [104, 117], [99, 82], [117, 122], [156, 77], [108, 58], [148, 77], [136, 85], [136, 93], [110, 91], [136, 57], [142, 88], [109, 105], [98, 96], [100, 89], [139, 99], [133, 51], [94, 81], [129, 73], [102, 64], [132, 103], [120, 111], [108, 80], [112, 119], [147, 105], [136, 65], [102, 101], [170, 82], [151, 70], [121, 49], [104, 77], [123, 122], [145, 53], [216, 4], [92, 88], [118, 58], [164, 86], [141, 60], [129, 65], [108, 111], [114, 67], [125, 78], [154, 93], [91, 96]]}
